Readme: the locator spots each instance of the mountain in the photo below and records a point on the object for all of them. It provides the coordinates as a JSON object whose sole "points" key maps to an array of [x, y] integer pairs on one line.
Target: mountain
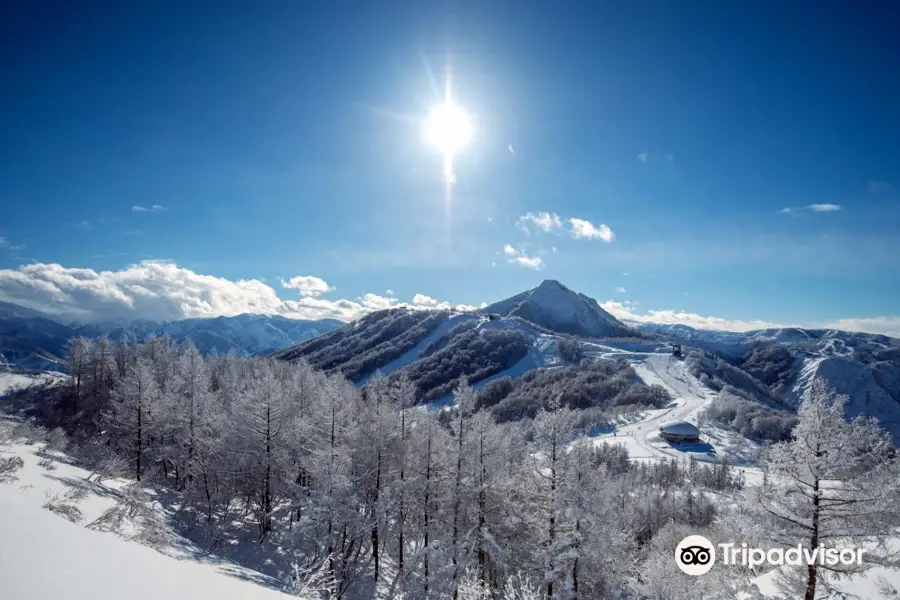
{"points": [[31, 340], [542, 328], [246, 335], [864, 366], [553, 306]]}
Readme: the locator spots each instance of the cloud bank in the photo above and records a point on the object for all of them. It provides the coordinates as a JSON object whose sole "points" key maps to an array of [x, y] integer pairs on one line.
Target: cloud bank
{"points": [[626, 311], [163, 291]]}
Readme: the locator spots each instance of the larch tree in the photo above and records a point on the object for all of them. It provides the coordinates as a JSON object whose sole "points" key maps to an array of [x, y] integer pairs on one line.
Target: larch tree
{"points": [[554, 429], [836, 483], [129, 414]]}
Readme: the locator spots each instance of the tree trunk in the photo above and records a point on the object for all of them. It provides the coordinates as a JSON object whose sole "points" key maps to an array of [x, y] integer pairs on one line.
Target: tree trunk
{"points": [[456, 503], [402, 488], [552, 529], [811, 570], [427, 510], [267, 491]]}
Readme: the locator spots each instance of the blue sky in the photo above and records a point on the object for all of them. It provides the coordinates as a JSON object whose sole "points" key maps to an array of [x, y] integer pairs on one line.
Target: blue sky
{"points": [[285, 139]]}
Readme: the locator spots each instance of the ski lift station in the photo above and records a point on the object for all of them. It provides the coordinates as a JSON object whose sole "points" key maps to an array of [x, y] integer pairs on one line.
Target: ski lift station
{"points": [[679, 431]]}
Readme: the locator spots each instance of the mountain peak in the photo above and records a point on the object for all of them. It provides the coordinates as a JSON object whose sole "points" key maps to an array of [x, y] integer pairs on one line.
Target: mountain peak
{"points": [[554, 306], [550, 283]]}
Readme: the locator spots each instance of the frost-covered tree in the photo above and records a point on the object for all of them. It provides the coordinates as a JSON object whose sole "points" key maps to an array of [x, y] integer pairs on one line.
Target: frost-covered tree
{"points": [[465, 402], [836, 482], [261, 439], [78, 361], [554, 430], [129, 414]]}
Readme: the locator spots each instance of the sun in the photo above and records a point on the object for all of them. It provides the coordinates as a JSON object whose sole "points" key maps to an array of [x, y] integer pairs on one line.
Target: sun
{"points": [[448, 128]]}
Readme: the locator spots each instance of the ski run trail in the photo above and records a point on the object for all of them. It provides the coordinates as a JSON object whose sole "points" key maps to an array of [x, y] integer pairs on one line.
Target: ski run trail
{"points": [[689, 399]]}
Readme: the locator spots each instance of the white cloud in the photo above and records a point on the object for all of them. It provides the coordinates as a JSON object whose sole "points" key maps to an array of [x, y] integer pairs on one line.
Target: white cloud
{"points": [[389, 292], [625, 310], [824, 207], [137, 208], [553, 223], [529, 262], [519, 257], [154, 208], [587, 230], [4, 243], [544, 221], [620, 289], [884, 325], [642, 157], [423, 300], [812, 207], [307, 285]]}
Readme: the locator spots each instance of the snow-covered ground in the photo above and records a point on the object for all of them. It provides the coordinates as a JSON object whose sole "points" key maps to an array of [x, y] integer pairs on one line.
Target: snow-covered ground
{"points": [[689, 399], [13, 380], [44, 556]]}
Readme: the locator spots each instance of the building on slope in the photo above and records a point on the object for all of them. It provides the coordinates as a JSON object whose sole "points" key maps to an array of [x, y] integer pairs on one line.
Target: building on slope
{"points": [[679, 431]]}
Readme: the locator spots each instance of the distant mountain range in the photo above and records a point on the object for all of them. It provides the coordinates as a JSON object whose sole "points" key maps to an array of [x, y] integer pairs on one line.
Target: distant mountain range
{"points": [[32, 340]]}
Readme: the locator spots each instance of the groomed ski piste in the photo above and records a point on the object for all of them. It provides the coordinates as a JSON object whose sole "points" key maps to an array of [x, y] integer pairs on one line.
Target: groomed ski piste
{"points": [[689, 398]]}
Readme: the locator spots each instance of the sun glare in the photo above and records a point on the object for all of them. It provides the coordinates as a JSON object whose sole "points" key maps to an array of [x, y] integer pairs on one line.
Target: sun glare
{"points": [[448, 128]]}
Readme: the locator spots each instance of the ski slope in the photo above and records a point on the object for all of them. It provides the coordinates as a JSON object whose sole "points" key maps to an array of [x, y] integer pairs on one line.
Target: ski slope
{"points": [[689, 399]]}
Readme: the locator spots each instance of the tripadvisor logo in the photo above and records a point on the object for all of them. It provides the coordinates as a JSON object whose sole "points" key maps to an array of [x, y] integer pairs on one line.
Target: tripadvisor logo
{"points": [[696, 555]]}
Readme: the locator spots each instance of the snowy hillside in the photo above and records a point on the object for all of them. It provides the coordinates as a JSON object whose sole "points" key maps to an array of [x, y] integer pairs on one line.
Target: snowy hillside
{"points": [[436, 348], [45, 556], [864, 366], [557, 308]]}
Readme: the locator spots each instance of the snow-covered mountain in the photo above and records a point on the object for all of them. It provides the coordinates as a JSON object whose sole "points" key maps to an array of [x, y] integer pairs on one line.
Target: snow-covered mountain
{"points": [[864, 366], [557, 308], [32, 340], [246, 335]]}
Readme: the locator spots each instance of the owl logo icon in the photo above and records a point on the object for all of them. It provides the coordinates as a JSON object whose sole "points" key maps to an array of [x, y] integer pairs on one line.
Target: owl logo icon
{"points": [[695, 555]]}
